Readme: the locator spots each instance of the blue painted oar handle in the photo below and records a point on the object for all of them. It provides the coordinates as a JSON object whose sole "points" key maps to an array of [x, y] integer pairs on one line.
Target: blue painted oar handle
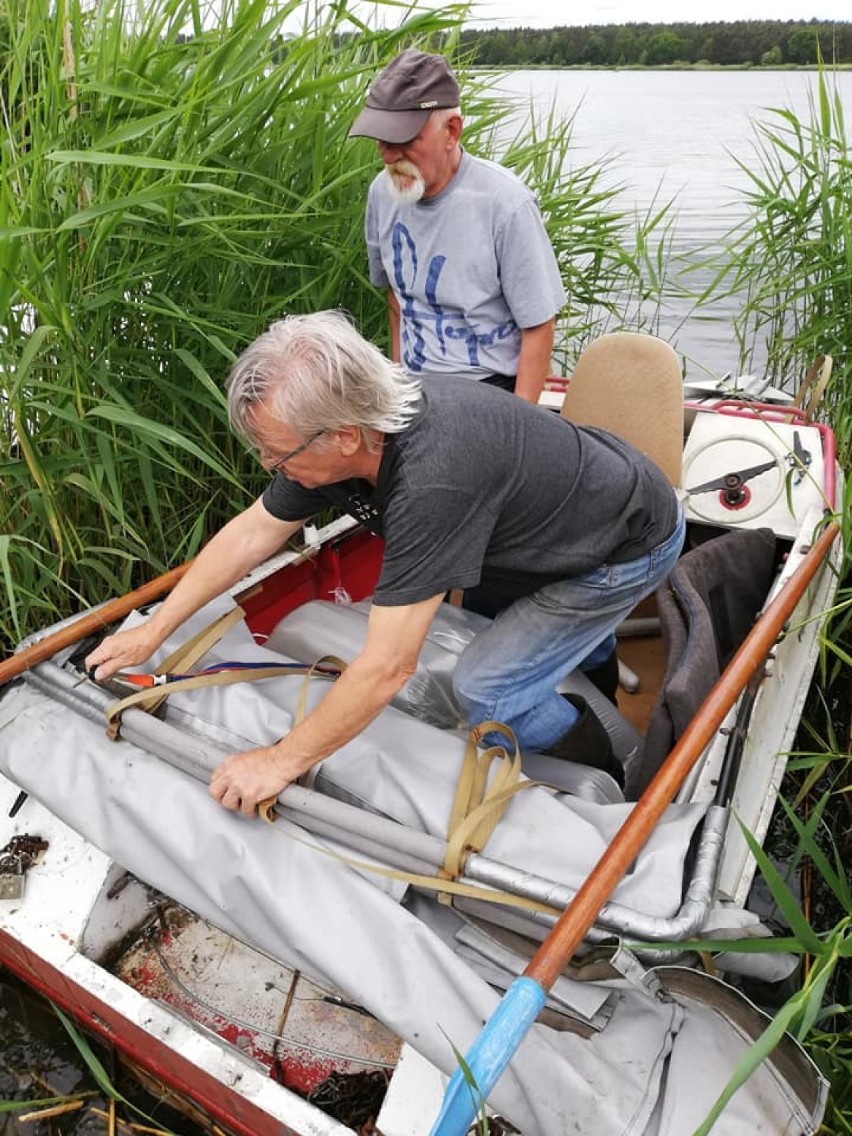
{"points": [[489, 1055]]}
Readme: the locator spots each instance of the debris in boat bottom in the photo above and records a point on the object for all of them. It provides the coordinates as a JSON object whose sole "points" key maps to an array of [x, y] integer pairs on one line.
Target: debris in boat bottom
{"points": [[352, 1098], [51, 1112], [19, 802]]}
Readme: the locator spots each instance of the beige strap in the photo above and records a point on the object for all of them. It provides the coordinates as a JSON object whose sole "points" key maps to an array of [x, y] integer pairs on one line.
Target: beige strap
{"points": [[443, 887], [187, 655], [478, 807], [193, 649], [474, 816], [155, 694], [266, 809]]}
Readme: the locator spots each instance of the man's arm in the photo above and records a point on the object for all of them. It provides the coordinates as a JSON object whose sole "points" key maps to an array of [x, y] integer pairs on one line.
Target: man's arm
{"points": [[534, 360], [394, 319], [395, 637], [241, 545]]}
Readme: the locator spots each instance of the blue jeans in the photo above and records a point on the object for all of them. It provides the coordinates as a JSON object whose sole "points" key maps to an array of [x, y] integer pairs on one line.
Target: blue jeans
{"points": [[510, 671]]}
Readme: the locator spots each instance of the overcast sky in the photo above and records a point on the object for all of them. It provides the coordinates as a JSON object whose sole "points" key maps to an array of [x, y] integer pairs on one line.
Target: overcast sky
{"points": [[555, 13]]}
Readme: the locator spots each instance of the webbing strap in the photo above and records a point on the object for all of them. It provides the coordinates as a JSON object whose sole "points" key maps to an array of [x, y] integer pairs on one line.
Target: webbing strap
{"points": [[265, 809], [478, 807], [155, 694], [186, 655], [443, 887]]}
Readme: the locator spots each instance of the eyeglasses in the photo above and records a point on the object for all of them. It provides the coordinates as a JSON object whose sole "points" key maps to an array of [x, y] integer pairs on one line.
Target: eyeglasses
{"points": [[276, 465]]}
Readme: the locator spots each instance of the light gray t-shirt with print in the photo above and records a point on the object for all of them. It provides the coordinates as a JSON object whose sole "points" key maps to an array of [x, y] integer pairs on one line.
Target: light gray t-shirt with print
{"points": [[483, 487], [470, 267]]}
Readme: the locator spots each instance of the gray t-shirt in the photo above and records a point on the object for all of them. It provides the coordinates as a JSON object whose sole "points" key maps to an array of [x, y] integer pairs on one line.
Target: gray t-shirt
{"points": [[470, 267], [484, 487]]}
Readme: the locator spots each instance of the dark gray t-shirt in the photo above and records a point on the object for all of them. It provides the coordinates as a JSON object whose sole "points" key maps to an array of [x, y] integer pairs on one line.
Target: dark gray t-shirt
{"points": [[484, 487]]}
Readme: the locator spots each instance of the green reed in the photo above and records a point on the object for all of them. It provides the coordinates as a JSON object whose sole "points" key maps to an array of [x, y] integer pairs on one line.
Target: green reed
{"points": [[169, 188], [793, 260]]}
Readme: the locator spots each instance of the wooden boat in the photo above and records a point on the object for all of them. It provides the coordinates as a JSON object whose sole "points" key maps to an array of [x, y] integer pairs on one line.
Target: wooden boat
{"points": [[180, 933]]}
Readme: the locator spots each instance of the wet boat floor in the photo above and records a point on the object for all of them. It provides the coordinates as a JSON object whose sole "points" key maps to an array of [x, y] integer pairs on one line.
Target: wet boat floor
{"points": [[309, 1037], [646, 658]]}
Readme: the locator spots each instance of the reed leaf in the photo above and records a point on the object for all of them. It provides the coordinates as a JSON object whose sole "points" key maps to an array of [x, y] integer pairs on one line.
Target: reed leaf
{"points": [[834, 875], [756, 1055], [783, 897], [92, 1061]]}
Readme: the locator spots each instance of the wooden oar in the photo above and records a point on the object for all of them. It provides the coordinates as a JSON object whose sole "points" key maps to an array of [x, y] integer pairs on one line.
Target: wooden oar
{"points": [[521, 1004], [89, 623]]}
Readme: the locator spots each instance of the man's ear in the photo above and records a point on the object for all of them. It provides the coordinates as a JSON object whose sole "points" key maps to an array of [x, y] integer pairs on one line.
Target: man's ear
{"points": [[454, 128], [349, 439]]}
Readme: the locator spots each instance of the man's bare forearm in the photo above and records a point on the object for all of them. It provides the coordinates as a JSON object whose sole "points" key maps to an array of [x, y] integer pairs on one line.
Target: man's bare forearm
{"points": [[241, 545], [534, 360], [354, 700]]}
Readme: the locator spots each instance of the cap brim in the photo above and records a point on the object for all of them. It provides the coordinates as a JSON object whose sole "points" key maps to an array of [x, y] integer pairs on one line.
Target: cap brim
{"points": [[395, 126]]}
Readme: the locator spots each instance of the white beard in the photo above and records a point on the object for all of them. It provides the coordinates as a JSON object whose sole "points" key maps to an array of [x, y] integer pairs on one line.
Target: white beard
{"points": [[405, 182]]}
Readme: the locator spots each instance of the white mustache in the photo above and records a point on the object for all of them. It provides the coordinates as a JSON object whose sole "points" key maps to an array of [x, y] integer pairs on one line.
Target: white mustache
{"points": [[405, 181]]}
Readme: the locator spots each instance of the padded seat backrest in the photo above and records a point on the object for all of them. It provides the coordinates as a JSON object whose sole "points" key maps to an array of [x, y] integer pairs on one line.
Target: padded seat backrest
{"points": [[630, 383], [707, 607]]}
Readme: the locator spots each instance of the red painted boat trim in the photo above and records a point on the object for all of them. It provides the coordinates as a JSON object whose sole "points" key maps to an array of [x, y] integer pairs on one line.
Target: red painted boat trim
{"points": [[225, 1106], [349, 565]]}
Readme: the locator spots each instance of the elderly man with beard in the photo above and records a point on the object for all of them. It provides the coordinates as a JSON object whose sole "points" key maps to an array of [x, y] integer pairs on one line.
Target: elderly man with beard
{"points": [[458, 242]]}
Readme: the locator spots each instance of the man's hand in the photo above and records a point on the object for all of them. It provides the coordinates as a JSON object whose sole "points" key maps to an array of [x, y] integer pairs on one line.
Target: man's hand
{"points": [[394, 638], [124, 649], [243, 780]]}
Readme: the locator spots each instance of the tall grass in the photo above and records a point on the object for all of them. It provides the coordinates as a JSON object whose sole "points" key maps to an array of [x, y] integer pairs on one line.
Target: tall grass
{"points": [[171, 186], [793, 257]]}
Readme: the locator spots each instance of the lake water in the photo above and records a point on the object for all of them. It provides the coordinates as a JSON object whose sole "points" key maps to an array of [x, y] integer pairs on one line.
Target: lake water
{"points": [[677, 135]]}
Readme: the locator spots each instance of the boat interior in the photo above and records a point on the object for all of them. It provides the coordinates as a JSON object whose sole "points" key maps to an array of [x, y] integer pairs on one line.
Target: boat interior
{"points": [[755, 480]]}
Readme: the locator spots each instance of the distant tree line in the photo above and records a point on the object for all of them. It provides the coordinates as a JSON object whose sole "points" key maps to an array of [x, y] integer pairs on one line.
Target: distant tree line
{"points": [[764, 43]]}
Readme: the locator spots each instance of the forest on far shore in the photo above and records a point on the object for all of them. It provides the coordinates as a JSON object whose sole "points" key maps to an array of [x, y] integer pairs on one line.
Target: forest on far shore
{"points": [[745, 43]]}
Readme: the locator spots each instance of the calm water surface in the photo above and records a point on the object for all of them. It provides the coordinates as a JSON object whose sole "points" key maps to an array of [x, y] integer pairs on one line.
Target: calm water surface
{"points": [[677, 135]]}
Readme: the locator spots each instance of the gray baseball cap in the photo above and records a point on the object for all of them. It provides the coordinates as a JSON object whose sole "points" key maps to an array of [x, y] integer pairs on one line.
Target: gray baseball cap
{"points": [[403, 95]]}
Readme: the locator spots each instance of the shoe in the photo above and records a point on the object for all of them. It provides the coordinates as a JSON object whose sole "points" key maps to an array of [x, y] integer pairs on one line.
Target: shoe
{"points": [[587, 742], [605, 677]]}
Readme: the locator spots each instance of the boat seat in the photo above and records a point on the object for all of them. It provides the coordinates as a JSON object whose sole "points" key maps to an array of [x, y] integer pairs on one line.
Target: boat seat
{"points": [[630, 383], [707, 607]]}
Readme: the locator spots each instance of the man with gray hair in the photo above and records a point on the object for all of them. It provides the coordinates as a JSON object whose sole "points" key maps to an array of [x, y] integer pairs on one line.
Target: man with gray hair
{"points": [[465, 485], [457, 241]]}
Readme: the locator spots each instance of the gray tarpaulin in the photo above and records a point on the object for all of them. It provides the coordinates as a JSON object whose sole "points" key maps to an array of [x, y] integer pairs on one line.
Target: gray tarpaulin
{"points": [[321, 627], [269, 886], [408, 770]]}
